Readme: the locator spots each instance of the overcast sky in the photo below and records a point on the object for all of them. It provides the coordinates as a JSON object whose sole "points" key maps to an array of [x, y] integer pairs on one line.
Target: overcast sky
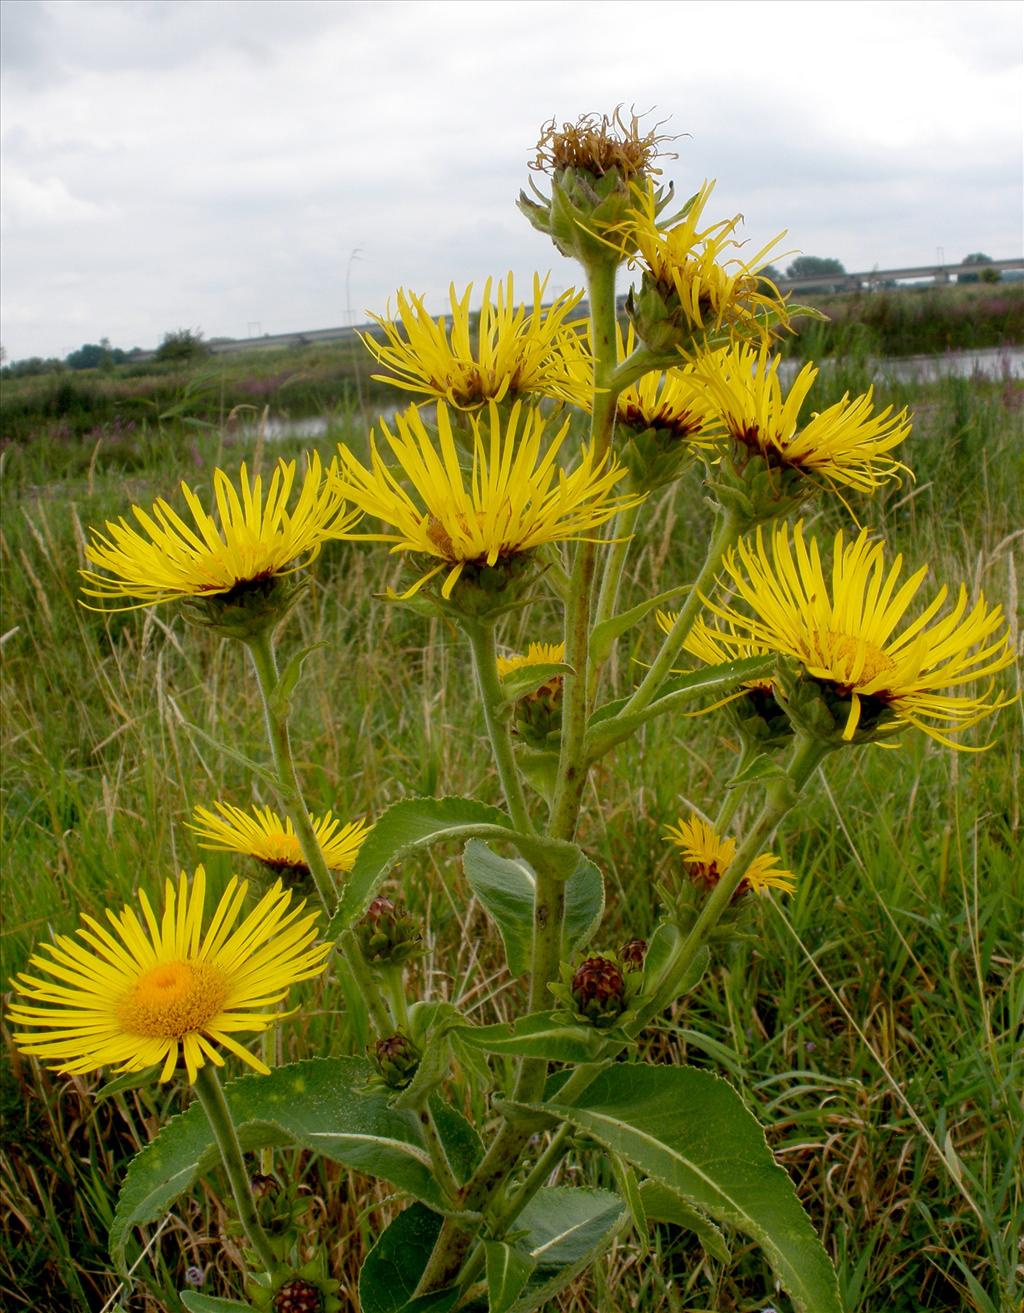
{"points": [[249, 166]]}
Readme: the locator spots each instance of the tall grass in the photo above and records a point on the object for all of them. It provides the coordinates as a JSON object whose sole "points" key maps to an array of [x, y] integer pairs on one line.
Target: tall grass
{"points": [[909, 321], [873, 1018]]}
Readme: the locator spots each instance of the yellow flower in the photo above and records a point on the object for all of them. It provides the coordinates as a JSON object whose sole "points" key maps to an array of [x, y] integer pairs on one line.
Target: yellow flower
{"points": [[256, 540], [674, 402], [518, 497], [845, 444], [149, 993], [268, 838], [537, 654], [842, 628], [707, 857], [515, 353], [702, 292]]}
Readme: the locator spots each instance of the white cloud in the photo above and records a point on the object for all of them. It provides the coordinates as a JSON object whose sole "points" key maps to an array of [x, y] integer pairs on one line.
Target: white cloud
{"points": [[216, 161]]}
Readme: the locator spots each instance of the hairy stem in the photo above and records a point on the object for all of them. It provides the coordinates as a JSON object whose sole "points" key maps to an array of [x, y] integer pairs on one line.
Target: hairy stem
{"points": [[549, 896], [481, 642], [264, 660], [727, 530], [210, 1094]]}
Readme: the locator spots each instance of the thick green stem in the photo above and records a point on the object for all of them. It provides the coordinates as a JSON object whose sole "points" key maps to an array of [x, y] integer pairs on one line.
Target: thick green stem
{"points": [[727, 530], [549, 896], [500, 1219], [734, 792], [261, 650], [211, 1095], [394, 986], [576, 687], [611, 575], [807, 754], [443, 1173], [481, 641]]}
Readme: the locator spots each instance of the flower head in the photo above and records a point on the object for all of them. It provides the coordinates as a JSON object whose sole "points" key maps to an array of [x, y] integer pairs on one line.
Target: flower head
{"points": [[688, 290], [268, 838], [707, 857], [537, 654], [843, 629], [516, 353], [675, 401], [518, 497], [594, 165], [154, 991], [660, 421], [254, 540], [845, 444], [599, 144]]}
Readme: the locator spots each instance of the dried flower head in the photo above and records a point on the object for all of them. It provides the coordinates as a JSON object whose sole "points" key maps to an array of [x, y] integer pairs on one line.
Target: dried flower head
{"points": [[599, 143]]}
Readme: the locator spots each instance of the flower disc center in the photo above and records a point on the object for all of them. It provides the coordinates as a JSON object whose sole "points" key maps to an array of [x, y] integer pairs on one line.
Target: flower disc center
{"points": [[173, 999], [853, 662]]}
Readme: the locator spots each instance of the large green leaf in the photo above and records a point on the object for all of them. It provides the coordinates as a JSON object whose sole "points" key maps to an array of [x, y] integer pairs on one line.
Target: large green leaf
{"points": [[505, 886], [566, 1229], [661, 1205], [690, 1131], [393, 1267], [404, 828], [539, 1035], [321, 1104], [508, 1270]]}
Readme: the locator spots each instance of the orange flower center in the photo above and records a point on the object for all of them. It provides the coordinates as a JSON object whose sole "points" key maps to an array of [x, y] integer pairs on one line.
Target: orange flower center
{"points": [[852, 662], [173, 999]]}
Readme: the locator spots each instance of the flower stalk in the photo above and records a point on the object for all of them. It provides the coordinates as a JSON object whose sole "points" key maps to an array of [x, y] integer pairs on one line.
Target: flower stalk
{"points": [[481, 641], [264, 661], [727, 530], [210, 1094]]}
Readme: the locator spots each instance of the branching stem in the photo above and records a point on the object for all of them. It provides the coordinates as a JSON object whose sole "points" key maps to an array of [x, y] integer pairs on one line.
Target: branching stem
{"points": [[264, 660]]}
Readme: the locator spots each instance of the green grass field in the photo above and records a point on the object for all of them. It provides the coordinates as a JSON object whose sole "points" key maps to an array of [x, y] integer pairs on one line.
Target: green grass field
{"points": [[873, 1019]]}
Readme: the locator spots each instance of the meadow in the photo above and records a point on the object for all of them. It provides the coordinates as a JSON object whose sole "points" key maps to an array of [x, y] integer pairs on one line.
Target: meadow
{"points": [[872, 1019]]}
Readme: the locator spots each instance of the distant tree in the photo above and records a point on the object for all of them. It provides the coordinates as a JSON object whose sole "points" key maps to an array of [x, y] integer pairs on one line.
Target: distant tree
{"points": [[184, 344], [90, 356], [986, 275], [770, 271], [32, 365], [94, 355], [809, 266]]}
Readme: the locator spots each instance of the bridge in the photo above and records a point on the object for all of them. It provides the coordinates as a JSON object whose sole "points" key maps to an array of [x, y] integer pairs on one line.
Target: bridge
{"points": [[938, 273]]}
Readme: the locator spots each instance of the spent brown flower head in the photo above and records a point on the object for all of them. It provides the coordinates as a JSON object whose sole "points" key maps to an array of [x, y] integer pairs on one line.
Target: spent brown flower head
{"points": [[599, 143]]}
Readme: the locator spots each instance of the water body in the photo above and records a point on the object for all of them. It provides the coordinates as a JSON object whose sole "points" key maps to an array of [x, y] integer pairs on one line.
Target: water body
{"points": [[995, 364]]}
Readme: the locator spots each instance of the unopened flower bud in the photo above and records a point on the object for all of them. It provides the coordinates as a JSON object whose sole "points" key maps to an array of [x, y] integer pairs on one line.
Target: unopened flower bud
{"points": [[633, 953], [599, 990], [538, 715], [387, 934], [595, 164], [299, 1296], [264, 1186], [397, 1059]]}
